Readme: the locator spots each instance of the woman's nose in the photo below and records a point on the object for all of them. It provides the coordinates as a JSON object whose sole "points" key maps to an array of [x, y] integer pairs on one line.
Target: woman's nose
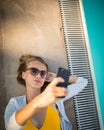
{"points": [[38, 75]]}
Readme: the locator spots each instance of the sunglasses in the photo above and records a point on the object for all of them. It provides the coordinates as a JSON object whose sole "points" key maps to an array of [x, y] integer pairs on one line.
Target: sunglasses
{"points": [[35, 71]]}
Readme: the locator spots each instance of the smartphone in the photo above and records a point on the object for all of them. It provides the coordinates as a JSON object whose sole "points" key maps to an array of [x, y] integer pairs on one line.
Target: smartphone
{"points": [[64, 73]]}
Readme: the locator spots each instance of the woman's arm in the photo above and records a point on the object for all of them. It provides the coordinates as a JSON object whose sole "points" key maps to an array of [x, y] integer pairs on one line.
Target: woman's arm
{"points": [[76, 87], [73, 79], [51, 76], [47, 97], [77, 84]]}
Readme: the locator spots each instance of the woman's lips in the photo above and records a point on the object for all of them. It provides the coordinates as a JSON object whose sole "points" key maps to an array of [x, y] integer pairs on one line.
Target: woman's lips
{"points": [[37, 81]]}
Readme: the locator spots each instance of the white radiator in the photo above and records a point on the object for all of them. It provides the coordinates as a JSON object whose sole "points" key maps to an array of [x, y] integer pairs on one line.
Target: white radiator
{"points": [[78, 62]]}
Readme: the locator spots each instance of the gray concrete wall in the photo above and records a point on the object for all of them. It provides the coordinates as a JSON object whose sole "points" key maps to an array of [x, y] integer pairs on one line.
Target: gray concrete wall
{"points": [[28, 26]]}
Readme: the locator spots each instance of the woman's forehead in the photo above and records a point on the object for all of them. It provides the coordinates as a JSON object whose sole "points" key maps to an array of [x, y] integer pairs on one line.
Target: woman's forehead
{"points": [[37, 64]]}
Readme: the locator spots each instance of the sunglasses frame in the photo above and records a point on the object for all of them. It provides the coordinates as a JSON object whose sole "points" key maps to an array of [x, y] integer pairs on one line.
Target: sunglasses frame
{"points": [[43, 73]]}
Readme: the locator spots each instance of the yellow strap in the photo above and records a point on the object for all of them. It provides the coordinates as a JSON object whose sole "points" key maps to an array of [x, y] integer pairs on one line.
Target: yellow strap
{"points": [[52, 121]]}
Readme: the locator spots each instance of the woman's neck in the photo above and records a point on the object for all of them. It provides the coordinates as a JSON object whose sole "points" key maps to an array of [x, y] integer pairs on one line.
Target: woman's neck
{"points": [[31, 93]]}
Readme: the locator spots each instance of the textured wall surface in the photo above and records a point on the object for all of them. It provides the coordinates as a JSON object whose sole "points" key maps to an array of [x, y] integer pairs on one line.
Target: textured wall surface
{"points": [[28, 26]]}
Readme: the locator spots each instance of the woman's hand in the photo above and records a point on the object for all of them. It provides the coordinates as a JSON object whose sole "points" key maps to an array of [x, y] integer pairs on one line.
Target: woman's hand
{"points": [[50, 76], [51, 93]]}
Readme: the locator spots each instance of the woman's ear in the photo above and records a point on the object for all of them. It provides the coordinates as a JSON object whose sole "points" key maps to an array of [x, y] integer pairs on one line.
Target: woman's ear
{"points": [[23, 75], [50, 76]]}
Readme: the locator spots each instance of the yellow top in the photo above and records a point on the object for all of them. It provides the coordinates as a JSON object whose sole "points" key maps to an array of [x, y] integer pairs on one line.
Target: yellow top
{"points": [[52, 121]]}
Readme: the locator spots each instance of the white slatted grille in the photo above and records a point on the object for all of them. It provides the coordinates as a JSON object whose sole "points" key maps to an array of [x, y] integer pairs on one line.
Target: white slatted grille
{"points": [[78, 61]]}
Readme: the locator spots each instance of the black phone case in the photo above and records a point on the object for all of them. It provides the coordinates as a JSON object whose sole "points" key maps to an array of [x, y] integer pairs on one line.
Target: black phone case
{"points": [[64, 73]]}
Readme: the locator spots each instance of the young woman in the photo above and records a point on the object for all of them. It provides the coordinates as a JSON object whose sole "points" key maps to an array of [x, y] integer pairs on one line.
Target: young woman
{"points": [[34, 111]]}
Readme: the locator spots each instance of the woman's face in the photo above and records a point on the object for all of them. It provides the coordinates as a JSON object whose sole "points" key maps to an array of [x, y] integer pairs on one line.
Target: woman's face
{"points": [[34, 78]]}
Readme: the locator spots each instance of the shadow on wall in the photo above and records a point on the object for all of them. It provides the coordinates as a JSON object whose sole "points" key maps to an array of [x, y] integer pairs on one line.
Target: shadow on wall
{"points": [[3, 97]]}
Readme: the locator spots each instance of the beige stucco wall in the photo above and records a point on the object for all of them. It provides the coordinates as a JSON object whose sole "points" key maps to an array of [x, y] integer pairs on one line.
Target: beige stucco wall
{"points": [[31, 26]]}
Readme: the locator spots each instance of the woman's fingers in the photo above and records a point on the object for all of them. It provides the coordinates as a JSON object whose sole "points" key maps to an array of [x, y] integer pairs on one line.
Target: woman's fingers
{"points": [[51, 93], [56, 81], [59, 91]]}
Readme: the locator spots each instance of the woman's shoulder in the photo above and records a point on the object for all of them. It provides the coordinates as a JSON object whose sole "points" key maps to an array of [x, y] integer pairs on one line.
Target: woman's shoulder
{"points": [[18, 101], [18, 98]]}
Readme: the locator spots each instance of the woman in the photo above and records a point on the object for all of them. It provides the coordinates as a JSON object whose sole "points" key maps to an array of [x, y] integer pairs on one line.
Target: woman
{"points": [[33, 111]]}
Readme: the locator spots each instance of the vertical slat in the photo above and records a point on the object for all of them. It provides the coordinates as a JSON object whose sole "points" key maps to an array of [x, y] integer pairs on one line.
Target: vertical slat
{"points": [[78, 62]]}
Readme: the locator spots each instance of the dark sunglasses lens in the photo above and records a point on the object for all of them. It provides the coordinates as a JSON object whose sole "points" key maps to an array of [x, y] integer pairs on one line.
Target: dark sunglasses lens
{"points": [[43, 74], [34, 71]]}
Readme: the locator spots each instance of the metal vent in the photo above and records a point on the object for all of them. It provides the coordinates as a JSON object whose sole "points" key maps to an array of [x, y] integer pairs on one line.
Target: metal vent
{"points": [[78, 62]]}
